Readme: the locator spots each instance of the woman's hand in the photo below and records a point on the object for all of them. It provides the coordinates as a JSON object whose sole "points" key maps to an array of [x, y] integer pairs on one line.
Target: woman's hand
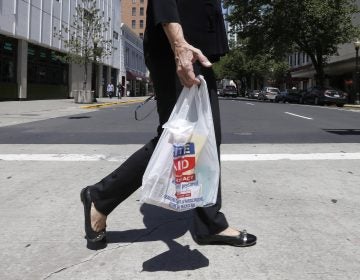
{"points": [[185, 54]]}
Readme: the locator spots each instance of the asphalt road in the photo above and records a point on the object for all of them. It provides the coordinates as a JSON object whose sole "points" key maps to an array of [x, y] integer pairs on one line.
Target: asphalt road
{"points": [[243, 122]]}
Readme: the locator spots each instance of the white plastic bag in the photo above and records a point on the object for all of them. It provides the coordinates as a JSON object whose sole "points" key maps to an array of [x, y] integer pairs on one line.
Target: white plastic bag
{"points": [[183, 172]]}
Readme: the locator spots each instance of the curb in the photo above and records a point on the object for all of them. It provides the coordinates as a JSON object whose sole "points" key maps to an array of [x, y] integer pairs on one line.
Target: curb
{"points": [[352, 106], [110, 104]]}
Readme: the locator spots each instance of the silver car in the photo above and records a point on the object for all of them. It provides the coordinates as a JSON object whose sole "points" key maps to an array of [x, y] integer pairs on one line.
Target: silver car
{"points": [[268, 93]]}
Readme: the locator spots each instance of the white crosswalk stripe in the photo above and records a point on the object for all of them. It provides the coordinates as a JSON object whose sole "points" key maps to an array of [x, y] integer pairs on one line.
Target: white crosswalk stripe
{"points": [[224, 157]]}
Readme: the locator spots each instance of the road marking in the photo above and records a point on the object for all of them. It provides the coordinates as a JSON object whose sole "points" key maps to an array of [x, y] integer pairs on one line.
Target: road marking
{"points": [[224, 157], [244, 133], [312, 156], [298, 116], [250, 104]]}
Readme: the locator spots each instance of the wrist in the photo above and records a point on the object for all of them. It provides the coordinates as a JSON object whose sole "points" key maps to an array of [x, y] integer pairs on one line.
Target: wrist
{"points": [[174, 34]]}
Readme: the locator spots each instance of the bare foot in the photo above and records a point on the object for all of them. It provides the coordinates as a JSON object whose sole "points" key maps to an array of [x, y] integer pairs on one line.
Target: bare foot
{"points": [[98, 220], [229, 232]]}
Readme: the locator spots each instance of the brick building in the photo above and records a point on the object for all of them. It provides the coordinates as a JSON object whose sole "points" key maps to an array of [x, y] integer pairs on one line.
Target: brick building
{"points": [[134, 15]]}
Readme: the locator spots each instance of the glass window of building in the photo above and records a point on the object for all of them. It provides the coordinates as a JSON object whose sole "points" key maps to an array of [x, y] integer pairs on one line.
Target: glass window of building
{"points": [[133, 11], [133, 24], [8, 59], [141, 35], [115, 35], [134, 1], [142, 1], [141, 23], [46, 67], [141, 11]]}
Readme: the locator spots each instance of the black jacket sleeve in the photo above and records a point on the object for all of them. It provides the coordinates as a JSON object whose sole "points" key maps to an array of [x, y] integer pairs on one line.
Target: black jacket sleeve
{"points": [[163, 11]]}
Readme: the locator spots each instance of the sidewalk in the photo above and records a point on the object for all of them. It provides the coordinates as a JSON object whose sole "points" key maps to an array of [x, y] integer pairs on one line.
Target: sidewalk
{"points": [[305, 214], [16, 112]]}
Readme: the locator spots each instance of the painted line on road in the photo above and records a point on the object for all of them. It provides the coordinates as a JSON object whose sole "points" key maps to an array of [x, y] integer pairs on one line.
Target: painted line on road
{"points": [[250, 104], [312, 156], [224, 157], [299, 116]]}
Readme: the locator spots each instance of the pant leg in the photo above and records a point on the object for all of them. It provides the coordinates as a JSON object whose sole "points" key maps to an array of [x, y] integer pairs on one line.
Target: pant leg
{"points": [[209, 220], [125, 180]]}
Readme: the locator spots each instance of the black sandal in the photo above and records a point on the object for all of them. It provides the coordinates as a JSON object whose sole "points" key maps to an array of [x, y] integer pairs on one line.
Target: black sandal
{"points": [[95, 240], [244, 239]]}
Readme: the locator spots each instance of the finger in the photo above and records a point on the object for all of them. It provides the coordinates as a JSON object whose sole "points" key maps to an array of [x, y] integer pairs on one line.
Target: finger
{"points": [[187, 79], [202, 59]]}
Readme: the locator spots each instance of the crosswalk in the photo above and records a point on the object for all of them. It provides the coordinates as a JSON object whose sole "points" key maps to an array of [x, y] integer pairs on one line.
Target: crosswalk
{"points": [[63, 157]]}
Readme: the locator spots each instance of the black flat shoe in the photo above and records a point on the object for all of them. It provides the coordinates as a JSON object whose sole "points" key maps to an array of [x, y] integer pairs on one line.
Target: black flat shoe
{"points": [[244, 239], [91, 235]]}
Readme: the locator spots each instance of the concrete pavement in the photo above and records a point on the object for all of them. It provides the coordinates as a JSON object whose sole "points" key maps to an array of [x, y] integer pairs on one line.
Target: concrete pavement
{"points": [[304, 212], [16, 112]]}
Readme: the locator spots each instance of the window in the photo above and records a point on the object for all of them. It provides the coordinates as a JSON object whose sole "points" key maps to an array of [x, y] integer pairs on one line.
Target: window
{"points": [[133, 24], [133, 11], [142, 1], [141, 35], [299, 59], [8, 58], [134, 1], [141, 24], [141, 11], [115, 35], [45, 67]]}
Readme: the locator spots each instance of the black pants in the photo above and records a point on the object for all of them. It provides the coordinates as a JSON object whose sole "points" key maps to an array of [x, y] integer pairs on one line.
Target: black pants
{"points": [[121, 183]]}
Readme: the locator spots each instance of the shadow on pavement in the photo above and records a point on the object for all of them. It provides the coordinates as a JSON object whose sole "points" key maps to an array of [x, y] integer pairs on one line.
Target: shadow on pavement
{"points": [[344, 131], [163, 225]]}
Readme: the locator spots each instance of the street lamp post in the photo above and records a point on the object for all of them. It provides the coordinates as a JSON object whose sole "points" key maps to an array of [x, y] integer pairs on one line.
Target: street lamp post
{"points": [[357, 87]]}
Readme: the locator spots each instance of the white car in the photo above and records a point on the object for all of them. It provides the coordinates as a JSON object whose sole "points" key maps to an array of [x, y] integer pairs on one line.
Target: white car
{"points": [[268, 93]]}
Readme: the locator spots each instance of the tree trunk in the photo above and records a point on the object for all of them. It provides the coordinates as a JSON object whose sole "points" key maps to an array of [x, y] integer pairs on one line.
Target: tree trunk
{"points": [[85, 75], [320, 74], [318, 63]]}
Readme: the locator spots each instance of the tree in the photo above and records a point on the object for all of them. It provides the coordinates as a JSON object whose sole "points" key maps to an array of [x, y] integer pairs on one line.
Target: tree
{"points": [[239, 65], [315, 27], [84, 38]]}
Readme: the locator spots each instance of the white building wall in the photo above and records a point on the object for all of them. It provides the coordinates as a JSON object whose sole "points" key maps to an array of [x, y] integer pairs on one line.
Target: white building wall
{"points": [[34, 21], [133, 51]]}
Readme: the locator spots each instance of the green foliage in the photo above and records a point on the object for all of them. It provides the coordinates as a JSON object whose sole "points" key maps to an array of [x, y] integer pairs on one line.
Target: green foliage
{"points": [[237, 65], [315, 27], [84, 38]]}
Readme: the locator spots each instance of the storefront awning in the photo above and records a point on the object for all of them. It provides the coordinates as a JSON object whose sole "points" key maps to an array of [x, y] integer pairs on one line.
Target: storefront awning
{"points": [[132, 75]]}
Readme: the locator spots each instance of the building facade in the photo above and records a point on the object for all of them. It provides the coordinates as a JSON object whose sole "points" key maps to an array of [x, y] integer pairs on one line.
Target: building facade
{"points": [[133, 62], [134, 15], [339, 70], [30, 67]]}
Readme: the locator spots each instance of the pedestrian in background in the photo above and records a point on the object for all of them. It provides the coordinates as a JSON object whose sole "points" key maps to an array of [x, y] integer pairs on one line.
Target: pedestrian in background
{"points": [[110, 90], [120, 88], [181, 40]]}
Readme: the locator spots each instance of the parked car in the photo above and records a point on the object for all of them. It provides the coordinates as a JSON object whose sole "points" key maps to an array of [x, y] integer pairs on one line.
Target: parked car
{"points": [[254, 94], [324, 95], [289, 95], [229, 91], [268, 93]]}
